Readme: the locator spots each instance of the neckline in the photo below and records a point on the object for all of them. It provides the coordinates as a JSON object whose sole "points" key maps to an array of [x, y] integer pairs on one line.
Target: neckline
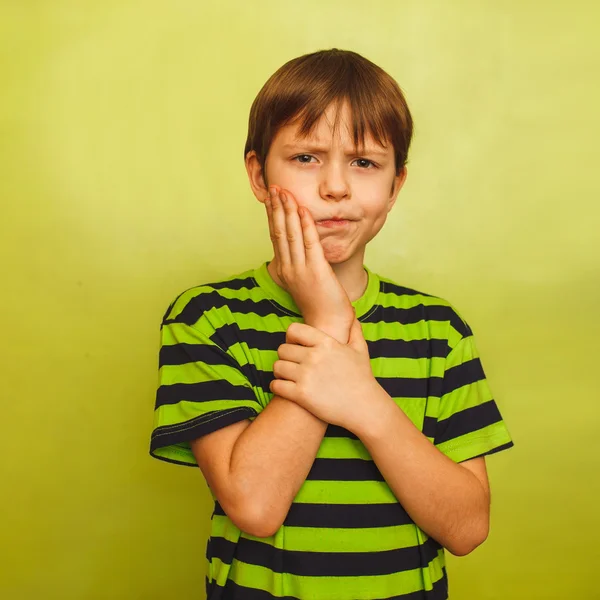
{"points": [[362, 305]]}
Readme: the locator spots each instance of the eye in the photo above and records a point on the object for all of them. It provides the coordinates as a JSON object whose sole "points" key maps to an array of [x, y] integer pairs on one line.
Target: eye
{"points": [[365, 160], [369, 163], [303, 156]]}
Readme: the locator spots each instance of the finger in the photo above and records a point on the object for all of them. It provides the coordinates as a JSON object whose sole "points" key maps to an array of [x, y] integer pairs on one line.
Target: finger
{"points": [[301, 333], [293, 226], [291, 353], [356, 334], [313, 249], [283, 388], [286, 370], [269, 207], [279, 231]]}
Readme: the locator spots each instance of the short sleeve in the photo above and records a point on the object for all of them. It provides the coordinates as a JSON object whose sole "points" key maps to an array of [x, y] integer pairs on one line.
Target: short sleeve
{"points": [[202, 387], [469, 422]]}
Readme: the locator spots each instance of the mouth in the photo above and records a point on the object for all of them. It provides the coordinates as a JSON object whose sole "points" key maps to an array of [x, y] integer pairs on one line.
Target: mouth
{"points": [[334, 222]]}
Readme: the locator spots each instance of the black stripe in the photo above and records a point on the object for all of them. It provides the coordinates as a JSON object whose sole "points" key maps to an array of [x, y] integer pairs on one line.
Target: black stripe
{"points": [[325, 564], [387, 287], [492, 451], [233, 591], [335, 431], [429, 426], [396, 387], [203, 302], [350, 516], [380, 348], [344, 469], [466, 373], [233, 284], [255, 339], [169, 435], [414, 314], [182, 353], [230, 334], [499, 448], [204, 391], [411, 387], [387, 348], [467, 420]]}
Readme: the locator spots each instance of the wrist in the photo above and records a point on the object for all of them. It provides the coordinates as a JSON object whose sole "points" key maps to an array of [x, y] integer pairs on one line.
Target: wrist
{"points": [[372, 411], [336, 328]]}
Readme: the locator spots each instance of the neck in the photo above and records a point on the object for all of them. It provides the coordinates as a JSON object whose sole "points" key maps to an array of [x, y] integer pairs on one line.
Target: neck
{"points": [[351, 275]]}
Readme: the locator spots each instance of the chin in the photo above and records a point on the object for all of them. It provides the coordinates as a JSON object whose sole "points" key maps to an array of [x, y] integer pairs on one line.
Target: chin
{"points": [[335, 256]]}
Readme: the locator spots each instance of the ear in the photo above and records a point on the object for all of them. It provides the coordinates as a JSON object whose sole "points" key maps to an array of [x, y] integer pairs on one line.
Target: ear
{"points": [[397, 186], [256, 176]]}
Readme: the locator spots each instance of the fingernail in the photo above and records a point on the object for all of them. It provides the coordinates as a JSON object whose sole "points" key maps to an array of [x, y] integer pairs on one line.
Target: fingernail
{"points": [[273, 191], [283, 197]]}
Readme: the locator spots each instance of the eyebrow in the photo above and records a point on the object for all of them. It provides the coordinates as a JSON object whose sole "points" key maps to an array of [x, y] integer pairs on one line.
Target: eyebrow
{"points": [[323, 150]]}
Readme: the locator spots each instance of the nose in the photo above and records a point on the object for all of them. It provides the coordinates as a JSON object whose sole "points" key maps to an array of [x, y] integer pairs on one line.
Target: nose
{"points": [[334, 182]]}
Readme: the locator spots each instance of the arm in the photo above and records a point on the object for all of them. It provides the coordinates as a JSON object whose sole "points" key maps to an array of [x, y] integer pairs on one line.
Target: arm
{"points": [[447, 500], [256, 468]]}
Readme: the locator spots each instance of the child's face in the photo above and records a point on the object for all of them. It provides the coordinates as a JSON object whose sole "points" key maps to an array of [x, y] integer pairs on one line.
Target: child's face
{"points": [[326, 176]]}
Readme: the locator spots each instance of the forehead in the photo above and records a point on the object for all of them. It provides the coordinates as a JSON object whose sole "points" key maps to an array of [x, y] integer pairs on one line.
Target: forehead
{"points": [[325, 131]]}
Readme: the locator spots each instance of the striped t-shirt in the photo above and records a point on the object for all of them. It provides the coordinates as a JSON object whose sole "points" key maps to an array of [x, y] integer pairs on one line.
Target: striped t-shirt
{"points": [[346, 536]]}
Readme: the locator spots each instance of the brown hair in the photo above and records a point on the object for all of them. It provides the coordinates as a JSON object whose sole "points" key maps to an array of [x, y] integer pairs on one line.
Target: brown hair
{"points": [[304, 87]]}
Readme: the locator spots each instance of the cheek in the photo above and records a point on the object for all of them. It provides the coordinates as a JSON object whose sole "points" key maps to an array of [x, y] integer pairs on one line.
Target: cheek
{"points": [[376, 210], [301, 195], [375, 216]]}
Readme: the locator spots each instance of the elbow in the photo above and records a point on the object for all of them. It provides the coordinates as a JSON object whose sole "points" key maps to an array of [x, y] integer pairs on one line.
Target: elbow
{"points": [[467, 544], [254, 520]]}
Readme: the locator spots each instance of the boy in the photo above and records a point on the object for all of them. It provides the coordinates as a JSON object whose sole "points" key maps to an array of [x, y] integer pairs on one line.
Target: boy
{"points": [[340, 419]]}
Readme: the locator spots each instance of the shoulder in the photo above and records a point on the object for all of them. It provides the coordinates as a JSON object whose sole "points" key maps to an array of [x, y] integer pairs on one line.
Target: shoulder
{"points": [[190, 305], [422, 305]]}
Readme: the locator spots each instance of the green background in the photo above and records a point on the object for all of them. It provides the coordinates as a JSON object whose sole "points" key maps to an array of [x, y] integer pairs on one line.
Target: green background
{"points": [[122, 183]]}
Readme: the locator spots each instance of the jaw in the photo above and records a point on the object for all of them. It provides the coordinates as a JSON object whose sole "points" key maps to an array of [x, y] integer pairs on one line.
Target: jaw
{"points": [[338, 251]]}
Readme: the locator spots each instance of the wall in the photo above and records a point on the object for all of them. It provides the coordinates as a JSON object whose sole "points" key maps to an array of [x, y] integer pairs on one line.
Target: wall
{"points": [[123, 126]]}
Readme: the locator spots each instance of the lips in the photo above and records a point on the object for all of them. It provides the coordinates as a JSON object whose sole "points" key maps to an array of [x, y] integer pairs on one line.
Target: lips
{"points": [[333, 223]]}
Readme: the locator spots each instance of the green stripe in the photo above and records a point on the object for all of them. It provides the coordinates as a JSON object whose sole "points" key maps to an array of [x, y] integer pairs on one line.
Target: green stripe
{"points": [[466, 396], [175, 333], [317, 539], [174, 414], [345, 492], [476, 442], [184, 299], [407, 332], [408, 367], [325, 588], [464, 351], [177, 453], [342, 448], [390, 299], [271, 323], [199, 372]]}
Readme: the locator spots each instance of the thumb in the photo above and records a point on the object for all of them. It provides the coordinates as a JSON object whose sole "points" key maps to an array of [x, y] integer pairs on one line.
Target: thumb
{"points": [[357, 339]]}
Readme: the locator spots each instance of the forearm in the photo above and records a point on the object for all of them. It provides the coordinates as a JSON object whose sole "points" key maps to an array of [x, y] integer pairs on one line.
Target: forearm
{"points": [[443, 498], [274, 454], [271, 460]]}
